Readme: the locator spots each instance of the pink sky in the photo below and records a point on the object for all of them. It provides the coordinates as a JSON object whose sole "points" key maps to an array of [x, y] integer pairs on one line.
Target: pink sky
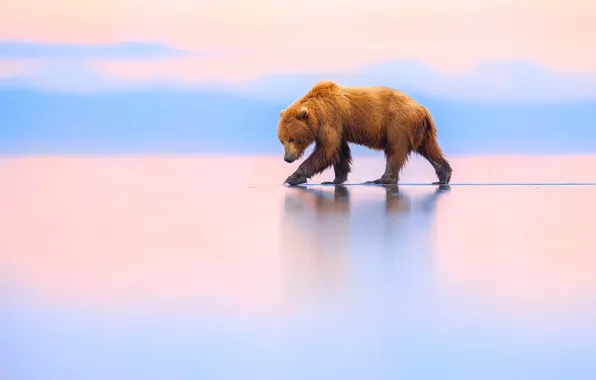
{"points": [[288, 36]]}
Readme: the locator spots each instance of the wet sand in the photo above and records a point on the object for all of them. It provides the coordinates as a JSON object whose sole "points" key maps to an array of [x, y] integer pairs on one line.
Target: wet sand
{"points": [[207, 267]]}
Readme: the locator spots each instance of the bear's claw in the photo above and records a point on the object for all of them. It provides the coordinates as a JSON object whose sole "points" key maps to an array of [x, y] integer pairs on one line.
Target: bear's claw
{"points": [[332, 182], [382, 181], [292, 181]]}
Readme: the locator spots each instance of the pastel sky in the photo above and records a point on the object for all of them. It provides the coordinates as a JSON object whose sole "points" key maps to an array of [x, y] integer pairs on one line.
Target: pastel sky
{"points": [[157, 75], [248, 39]]}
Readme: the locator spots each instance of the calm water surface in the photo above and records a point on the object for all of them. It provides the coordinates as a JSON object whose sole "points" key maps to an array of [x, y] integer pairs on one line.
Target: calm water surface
{"points": [[207, 268]]}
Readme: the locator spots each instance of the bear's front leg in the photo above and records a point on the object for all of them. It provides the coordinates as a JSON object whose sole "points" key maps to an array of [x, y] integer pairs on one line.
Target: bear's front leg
{"points": [[342, 167], [319, 160], [296, 179]]}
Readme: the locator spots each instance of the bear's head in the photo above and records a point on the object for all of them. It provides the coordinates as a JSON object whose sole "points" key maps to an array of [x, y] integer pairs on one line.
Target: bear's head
{"points": [[295, 131]]}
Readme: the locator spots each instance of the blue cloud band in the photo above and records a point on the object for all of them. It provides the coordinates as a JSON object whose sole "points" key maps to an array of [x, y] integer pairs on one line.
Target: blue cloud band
{"points": [[26, 50]]}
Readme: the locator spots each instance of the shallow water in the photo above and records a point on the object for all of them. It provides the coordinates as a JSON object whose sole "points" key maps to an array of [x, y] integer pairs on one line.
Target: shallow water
{"points": [[207, 268]]}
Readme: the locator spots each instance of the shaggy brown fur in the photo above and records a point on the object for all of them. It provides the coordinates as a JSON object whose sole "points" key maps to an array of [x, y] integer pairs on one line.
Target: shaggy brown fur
{"points": [[379, 118]]}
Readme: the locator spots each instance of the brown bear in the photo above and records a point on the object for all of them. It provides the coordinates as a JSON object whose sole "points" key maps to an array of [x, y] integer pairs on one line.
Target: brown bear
{"points": [[379, 118]]}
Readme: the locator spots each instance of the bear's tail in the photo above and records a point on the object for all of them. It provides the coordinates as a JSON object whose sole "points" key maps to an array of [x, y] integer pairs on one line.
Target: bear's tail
{"points": [[425, 130], [430, 130]]}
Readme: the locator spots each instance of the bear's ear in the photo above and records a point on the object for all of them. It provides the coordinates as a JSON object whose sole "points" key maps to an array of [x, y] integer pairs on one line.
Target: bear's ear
{"points": [[281, 113], [302, 113]]}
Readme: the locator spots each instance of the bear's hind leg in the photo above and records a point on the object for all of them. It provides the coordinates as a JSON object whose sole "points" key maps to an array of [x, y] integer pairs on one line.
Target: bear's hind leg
{"points": [[431, 151], [342, 167], [396, 159]]}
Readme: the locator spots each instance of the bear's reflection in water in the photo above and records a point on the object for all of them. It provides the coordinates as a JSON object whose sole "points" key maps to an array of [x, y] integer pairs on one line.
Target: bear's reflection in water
{"points": [[328, 231], [340, 219]]}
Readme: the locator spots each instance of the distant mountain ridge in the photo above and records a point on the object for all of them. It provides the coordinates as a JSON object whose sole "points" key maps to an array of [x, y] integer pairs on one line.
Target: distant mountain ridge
{"points": [[200, 121]]}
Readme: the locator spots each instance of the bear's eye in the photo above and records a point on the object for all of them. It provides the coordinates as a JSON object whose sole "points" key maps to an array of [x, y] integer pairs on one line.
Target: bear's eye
{"points": [[291, 139]]}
